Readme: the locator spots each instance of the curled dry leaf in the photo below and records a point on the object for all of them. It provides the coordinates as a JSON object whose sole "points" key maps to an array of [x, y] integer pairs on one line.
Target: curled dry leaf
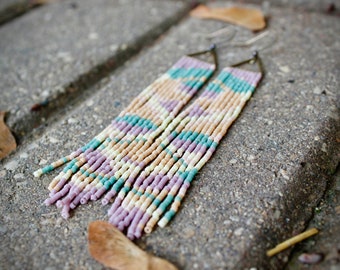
{"points": [[7, 141], [113, 249], [250, 18]]}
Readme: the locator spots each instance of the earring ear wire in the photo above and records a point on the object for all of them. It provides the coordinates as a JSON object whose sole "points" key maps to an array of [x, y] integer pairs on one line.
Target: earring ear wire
{"points": [[221, 32], [252, 41], [212, 51], [254, 59]]}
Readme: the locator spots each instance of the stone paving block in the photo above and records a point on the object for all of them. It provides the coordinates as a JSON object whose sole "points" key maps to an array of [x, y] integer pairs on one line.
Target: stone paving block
{"points": [[10, 9], [326, 6], [327, 242], [6, 3], [260, 187], [45, 54]]}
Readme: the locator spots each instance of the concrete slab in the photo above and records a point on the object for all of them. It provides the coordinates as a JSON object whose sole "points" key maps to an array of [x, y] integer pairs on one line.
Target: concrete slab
{"points": [[10, 9], [6, 3], [260, 187], [52, 53], [323, 6], [327, 242]]}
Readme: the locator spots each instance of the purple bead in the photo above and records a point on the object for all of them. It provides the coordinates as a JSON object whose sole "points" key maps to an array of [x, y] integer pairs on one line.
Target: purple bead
{"points": [[130, 216], [109, 196], [98, 194], [85, 198], [114, 206], [76, 200], [65, 212]]}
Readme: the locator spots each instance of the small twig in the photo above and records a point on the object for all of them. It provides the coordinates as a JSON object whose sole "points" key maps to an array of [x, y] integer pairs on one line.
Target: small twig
{"points": [[292, 241]]}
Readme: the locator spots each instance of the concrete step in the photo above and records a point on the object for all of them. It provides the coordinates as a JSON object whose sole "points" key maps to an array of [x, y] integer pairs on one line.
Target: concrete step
{"points": [[260, 187], [54, 53], [326, 243], [12, 9], [329, 7]]}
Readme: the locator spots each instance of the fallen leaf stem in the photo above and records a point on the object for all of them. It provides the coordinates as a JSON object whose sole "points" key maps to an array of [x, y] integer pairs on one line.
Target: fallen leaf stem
{"points": [[292, 241]]}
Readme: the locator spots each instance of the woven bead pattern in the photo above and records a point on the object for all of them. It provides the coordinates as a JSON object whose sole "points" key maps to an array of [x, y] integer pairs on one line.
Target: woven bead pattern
{"points": [[147, 158], [158, 191], [117, 153]]}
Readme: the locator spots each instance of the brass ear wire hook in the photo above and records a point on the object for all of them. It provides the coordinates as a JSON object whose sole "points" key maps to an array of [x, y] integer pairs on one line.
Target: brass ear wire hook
{"points": [[212, 51], [252, 41], [213, 48], [247, 43], [254, 59]]}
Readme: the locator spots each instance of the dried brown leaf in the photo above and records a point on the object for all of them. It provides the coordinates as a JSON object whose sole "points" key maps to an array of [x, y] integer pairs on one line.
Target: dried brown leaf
{"points": [[250, 18], [7, 141], [113, 249]]}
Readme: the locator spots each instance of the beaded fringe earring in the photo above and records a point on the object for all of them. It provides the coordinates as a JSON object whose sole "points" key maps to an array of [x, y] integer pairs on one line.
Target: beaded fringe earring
{"points": [[116, 156], [187, 144]]}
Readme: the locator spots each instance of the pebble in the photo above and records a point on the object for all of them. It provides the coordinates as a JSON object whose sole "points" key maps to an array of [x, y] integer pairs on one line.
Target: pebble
{"points": [[32, 146], [43, 162], [3, 173], [309, 108], [310, 258], [45, 222], [324, 148], [337, 210], [250, 157], [3, 229], [285, 69], [54, 256], [188, 232], [317, 90], [65, 56], [45, 93], [89, 103], [93, 36], [284, 174], [233, 161], [72, 121], [113, 47], [23, 183], [11, 165], [227, 222], [53, 140], [235, 218], [24, 155], [19, 176], [277, 214], [238, 231]]}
